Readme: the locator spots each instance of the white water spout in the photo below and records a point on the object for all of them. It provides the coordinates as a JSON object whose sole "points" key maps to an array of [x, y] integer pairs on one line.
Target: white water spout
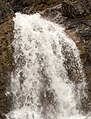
{"points": [[47, 69]]}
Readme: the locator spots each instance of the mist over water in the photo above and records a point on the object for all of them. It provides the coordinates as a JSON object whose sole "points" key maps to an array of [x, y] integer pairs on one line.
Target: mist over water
{"points": [[48, 82]]}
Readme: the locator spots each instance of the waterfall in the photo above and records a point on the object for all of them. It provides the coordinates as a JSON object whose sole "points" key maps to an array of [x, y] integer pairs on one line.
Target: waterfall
{"points": [[48, 81]]}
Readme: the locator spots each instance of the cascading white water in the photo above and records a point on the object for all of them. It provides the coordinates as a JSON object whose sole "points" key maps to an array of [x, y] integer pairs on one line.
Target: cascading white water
{"points": [[41, 84]]}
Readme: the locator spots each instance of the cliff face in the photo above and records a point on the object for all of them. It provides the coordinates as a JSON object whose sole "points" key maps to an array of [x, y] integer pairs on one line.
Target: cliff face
{"points": [[74, 15]]}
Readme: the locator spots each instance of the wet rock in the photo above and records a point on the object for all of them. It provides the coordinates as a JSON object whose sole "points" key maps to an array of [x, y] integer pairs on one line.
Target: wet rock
{"points": [[69, 11], [6, 63], [79, 29], [19, 5], [89, 52], [32, 6], [75, 8], [6, 58], [6, 12], [85, 33]]}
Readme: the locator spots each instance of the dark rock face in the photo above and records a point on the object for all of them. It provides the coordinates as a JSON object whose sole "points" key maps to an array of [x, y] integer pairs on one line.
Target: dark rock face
{"points": [[19, 5], [32, 6], [69, 11], [76, 8], [6, 12], [6, 59]]}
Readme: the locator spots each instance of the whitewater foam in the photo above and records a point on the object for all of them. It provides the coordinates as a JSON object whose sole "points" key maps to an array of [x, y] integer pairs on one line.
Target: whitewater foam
{"points": [[40, 84]]}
